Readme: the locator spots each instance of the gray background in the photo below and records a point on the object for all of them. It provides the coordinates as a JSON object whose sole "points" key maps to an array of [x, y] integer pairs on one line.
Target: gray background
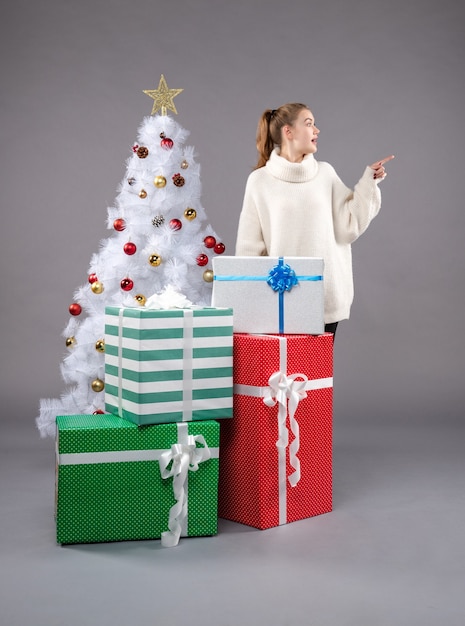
{"points": [[381, 78]]}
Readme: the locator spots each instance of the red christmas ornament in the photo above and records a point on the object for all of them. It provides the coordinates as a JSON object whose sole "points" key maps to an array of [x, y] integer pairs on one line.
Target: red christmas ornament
{"points": [[219, 248], [119, 224], [166, 143], [75, 308], [127, 284], [209, 241], [98, 412], [175, 224], [129, 248], [92, 278], [202, 260]]}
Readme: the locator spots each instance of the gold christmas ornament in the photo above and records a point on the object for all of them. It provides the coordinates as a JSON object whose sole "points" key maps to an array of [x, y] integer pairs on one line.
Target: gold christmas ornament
{"points": [[159, 181], [142, 194], [163, 97], [184, 165], [97, 287], [208, 276], [154, 260], [70, 342], [100, 345], [97, 385], [140, 299], [190, 213]]}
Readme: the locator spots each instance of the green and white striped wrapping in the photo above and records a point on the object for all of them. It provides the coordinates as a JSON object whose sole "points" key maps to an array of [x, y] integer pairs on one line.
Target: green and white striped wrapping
{"points": [[169, 365]]}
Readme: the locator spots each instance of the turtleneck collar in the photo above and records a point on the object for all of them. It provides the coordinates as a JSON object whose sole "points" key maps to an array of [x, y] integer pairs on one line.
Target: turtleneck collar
{"points": [[283, 169]]}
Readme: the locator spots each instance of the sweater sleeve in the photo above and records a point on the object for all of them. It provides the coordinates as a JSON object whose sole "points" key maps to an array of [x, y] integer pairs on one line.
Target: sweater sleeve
{"points": [[354, 210], [250, 241]]}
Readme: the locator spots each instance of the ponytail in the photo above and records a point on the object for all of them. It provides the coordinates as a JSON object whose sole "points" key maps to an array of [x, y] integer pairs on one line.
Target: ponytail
{"points": [[269, 129], [265, 143]]}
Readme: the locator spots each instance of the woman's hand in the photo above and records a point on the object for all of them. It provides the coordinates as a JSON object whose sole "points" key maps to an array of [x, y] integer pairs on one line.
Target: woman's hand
{"points": [[378, 167]]}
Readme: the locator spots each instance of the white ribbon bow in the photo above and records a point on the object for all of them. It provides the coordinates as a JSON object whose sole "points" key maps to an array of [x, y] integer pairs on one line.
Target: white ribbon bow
{"points": [[184, 457], [169, 298], [287, 391]]}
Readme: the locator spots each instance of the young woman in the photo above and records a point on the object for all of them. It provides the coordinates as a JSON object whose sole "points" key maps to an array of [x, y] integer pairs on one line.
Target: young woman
{"points": [[295, 205]]}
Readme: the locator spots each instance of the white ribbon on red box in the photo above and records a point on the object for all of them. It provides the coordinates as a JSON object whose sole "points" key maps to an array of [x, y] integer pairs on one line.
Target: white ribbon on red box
{"points": [[287, 391]]}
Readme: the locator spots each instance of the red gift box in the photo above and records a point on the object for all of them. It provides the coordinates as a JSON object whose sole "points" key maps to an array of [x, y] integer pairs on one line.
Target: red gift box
{"points": [[276, 452]]}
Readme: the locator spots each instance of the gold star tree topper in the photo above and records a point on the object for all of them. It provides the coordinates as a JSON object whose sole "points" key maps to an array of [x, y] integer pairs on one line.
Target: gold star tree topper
{"points": [[163, 97]]}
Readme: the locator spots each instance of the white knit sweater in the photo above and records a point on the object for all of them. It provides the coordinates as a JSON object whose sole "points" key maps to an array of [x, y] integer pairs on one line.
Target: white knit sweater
{"points": [[304, 209]]}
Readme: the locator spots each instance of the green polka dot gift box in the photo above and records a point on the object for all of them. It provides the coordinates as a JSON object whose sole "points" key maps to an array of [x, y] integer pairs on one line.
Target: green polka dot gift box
{"points": [[169, 365], [116, 481]]}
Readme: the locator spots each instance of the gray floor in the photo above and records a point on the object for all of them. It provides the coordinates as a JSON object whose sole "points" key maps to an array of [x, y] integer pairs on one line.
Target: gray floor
{"points": [[391, 553]]}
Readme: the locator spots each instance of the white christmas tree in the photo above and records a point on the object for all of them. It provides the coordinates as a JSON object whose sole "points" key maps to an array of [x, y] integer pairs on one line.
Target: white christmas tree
{"points": [[159, 239]]}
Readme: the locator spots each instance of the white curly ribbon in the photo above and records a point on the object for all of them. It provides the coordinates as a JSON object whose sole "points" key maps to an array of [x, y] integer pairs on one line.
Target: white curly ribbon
{"points": [[287, 392], [183, 457]]}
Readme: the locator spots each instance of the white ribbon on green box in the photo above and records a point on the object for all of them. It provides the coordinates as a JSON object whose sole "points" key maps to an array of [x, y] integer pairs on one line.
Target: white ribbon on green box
{"points": [[287, 391], [183, 456]]}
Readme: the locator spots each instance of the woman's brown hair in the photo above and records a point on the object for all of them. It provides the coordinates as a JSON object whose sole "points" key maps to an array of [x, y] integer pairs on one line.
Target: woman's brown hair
{"points": [[269, 128]]}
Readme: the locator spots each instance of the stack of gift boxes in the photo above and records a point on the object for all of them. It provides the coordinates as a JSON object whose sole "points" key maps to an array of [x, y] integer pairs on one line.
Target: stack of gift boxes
{"points": [[167, 460], [148, 468]]}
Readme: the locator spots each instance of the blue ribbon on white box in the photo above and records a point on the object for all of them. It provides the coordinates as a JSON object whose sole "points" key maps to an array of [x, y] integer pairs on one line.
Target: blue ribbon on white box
{"points": [[280, 278]]}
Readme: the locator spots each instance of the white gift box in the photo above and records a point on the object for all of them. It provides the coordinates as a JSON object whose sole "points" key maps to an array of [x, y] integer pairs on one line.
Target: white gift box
{"points": [[282, 295]]}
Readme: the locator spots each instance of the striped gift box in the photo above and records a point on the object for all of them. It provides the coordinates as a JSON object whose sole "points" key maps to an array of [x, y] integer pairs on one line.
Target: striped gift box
{"points": [[169, 365]]}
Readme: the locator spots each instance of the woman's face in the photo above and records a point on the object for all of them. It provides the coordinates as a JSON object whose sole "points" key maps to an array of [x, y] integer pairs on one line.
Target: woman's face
{"points": [[303, 134]]}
